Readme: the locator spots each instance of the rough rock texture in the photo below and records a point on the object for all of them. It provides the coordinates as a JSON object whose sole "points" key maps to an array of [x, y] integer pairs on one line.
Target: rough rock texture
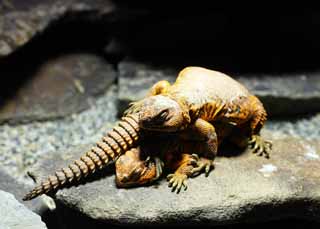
{"points": [[135, 79], [20, 21], [21, 145], [287, 94], [18, 189], [58, 87], [281, 94], [307, 127], [242, 188], [14, 215]]}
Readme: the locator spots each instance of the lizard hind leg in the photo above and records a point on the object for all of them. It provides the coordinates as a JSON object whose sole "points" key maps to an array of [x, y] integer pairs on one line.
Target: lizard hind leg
{"points": [[259, 146], [248, 132]]}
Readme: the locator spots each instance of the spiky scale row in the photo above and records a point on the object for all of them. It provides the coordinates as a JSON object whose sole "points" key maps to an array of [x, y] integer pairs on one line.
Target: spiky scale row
{"points": [[121, 138]]}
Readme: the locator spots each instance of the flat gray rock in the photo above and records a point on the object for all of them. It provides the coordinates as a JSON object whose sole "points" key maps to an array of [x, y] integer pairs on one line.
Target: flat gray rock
{"points": [[59, 87], [18, 189], [14, 215], [135, 79], [288, 94], [20, 21], [242, 188]]}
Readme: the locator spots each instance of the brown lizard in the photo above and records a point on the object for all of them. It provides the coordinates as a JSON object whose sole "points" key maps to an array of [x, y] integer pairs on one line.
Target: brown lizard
{"points": [[203, 107], [188, 108]]}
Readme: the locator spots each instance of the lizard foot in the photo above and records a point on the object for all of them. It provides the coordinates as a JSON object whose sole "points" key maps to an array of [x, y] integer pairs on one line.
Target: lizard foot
{"points": [[259, 146], [202, 164], [177, 181]]}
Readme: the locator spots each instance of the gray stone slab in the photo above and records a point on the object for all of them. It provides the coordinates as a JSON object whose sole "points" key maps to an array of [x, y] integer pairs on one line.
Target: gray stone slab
{"points": [[22, 145], [242, 188], [10, 184], [59, 87], [135, 79], [288, 94], [20, 21], [14, 215]]}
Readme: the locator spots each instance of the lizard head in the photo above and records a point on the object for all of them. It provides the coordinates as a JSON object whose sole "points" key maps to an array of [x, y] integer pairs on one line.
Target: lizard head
{"points": [[161, 113], [132, 169]]}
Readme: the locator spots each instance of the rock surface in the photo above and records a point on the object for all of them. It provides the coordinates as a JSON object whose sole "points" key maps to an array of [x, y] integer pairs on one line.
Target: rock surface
{"points": [[136, 78], [61, 86], [279, 93], [21, 21], [14, 215], [22, 145], [286, 94], [18, 189], [242, 188]]}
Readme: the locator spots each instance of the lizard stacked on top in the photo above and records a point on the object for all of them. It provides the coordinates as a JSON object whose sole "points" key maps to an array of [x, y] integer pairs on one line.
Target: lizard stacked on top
{"points": [[191, 117]]}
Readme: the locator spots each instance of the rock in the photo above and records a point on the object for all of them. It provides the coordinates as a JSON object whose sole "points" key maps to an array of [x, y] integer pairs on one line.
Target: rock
{"points": [[14, 215], [22, 145], [279, 93], [307, 127], [18, 189], [135, 79], [61, 86], [288, 94], [21, 21], [242, 188]]}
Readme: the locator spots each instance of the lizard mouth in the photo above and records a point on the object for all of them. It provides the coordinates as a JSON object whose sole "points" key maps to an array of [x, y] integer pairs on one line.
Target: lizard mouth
{"points": [[158, 128]]}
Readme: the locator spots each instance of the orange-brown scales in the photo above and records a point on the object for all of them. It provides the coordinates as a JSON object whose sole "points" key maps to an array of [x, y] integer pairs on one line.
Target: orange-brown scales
{"points": [[203, 108], [194, 115]]}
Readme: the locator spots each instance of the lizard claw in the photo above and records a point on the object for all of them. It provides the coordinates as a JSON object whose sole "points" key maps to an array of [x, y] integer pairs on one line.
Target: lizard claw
{"points": [[203, 164], [177, 181], [194, 160], [259, 146]]}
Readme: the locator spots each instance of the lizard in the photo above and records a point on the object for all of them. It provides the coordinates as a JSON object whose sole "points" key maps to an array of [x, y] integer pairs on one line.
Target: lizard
{"points": [[180, 108], [203, 107]]}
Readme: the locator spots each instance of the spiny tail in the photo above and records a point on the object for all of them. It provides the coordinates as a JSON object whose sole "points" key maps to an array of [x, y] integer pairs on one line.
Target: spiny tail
{"points": [[121, 138]]}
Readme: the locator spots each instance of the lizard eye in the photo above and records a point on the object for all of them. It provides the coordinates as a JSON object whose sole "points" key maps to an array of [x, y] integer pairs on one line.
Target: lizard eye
{"points": [[163, 115]]}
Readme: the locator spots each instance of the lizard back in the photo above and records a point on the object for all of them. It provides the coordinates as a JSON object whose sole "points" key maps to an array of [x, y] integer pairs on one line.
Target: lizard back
{"points": [[206, 89]]}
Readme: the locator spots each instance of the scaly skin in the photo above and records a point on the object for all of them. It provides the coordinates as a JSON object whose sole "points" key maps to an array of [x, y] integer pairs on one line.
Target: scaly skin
{"points": [[194, 105], [121, 138], [136, 168]]}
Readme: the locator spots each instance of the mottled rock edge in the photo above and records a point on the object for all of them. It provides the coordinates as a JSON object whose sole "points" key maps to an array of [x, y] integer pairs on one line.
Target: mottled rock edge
{"points": [[15, 215]]}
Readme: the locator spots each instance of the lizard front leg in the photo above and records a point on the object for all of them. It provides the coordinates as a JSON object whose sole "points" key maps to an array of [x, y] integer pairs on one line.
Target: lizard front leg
{"points": [[200, 139], [182, 165], [202, 132]]}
